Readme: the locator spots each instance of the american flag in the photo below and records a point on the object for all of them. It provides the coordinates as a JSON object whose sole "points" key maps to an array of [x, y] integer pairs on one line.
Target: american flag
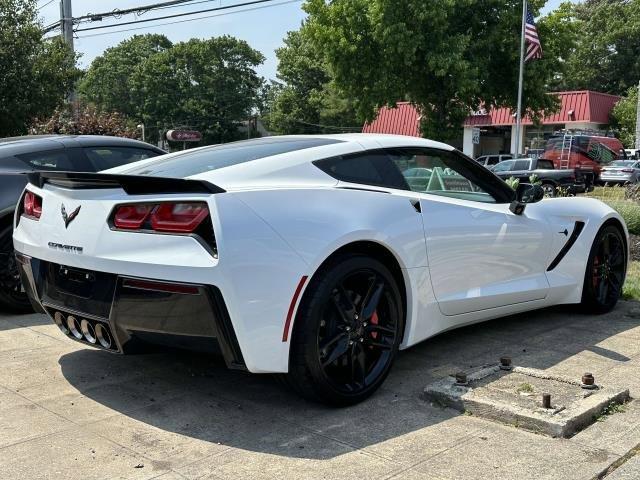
{"points": [[534, 47]]}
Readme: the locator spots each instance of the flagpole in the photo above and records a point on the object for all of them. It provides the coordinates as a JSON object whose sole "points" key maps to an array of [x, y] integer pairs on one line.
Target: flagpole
{"points": [[521, 79]]}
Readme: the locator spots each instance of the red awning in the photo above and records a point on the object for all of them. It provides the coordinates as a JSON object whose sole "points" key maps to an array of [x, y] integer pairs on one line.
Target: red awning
{"points": [[581, 106], [401, 120]]}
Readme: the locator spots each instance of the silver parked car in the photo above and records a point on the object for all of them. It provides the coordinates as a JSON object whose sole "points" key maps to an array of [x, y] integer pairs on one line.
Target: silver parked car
{"points": [[621, 171]]}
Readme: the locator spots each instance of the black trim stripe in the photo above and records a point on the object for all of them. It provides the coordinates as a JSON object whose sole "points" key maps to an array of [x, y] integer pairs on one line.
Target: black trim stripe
{"points": [[577, 230]]}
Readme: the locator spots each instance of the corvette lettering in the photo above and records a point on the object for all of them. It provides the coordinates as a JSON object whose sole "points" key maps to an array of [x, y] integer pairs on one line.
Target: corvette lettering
{"points": [[66, 248]]}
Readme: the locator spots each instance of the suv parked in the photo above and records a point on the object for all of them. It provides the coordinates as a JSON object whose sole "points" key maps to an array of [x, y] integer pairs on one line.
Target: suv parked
{"points": [[552, 179], [21, 155], [490, 160]]}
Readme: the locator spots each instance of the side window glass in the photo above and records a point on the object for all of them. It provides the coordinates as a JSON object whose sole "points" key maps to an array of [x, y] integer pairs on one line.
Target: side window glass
{"points": [[441, 173], [103, 158], [370, 168], [521, 165], [504, 166], [48, 160]]}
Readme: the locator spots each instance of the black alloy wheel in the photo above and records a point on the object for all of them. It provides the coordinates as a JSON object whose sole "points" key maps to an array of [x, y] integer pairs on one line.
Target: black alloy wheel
{"points": [[606, 271], [12, 295], [347, 331]]}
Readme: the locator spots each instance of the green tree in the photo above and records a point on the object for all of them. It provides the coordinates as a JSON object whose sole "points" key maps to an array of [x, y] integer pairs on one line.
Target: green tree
{"points": [[447, 58], [305, 98], [107, 82], [35, 74], [606, 56], [209, 85], [623, 117]]}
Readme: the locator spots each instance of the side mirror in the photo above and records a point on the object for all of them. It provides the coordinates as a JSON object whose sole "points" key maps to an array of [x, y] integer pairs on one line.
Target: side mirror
{"points": [[526, 193]]}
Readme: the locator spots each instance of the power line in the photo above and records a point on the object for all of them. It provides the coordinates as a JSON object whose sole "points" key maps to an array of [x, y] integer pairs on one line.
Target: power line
{"points": [[42, 6], [142, 8], [189, 20], [175, 15]]}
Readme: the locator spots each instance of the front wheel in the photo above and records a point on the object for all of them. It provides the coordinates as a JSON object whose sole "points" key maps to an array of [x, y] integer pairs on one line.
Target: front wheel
{"points": [[12, 295], [606, 271], [347, 331]]}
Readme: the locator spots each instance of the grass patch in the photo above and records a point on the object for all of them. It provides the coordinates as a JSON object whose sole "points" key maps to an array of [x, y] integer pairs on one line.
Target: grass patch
{"points": [[631, 289], [525, 388], [607, 193]]}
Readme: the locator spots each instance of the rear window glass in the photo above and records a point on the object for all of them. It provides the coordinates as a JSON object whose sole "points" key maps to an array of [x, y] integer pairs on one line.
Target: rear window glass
{"points": [[103, 158], [227, 155], [545, 164], [48, 160]]}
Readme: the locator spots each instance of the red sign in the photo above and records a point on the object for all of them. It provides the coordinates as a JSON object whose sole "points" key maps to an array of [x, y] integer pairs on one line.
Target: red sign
{"points": [[184, 136]]}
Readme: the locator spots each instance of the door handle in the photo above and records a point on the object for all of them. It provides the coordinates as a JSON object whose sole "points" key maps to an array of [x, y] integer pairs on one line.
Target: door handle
{"points": [[416, 204]]}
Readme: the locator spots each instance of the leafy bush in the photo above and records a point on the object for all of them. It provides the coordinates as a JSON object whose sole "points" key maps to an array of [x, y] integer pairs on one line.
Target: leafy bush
{"points": [[513, 182], [82, 119], [630, 212]]}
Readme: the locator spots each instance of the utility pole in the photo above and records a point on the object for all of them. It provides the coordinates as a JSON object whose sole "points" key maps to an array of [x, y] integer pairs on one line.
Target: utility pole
{"points": [[66, 25], [66, 22], [638, 121]]}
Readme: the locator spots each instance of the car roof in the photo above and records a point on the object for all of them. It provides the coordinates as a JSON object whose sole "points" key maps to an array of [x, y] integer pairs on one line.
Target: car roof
{"points": [[36, 143], [291, 167]]}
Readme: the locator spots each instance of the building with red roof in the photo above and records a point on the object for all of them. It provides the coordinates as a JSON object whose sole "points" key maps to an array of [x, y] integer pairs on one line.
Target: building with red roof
{"points": [[493, 131]]}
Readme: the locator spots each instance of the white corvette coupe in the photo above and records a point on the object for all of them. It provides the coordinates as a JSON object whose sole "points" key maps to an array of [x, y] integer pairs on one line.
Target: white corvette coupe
{"points": [[317, 257]]}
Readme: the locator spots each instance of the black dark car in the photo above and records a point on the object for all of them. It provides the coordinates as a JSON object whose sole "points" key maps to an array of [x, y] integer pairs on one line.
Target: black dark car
{"points": [[551, 179], [20, 155]]}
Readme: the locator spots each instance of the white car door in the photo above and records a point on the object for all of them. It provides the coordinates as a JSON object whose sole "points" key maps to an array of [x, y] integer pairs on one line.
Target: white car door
{"points": [[480, 255]]}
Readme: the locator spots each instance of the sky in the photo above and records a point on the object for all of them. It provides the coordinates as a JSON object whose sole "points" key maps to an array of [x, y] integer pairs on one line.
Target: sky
{"points": [[263, 28]]}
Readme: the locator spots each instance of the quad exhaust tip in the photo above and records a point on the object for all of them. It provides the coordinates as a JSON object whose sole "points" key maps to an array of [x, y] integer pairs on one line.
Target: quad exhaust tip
{"points": [[90, 331]]}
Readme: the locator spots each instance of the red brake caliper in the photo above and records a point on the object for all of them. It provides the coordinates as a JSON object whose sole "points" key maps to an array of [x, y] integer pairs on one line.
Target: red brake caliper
{"points": [[374, 321]]}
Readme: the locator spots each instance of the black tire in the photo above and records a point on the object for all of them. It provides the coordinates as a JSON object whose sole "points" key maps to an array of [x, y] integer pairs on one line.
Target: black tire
{"points": [[606, 271], [549, 189], [12, 296], [354, 307]]}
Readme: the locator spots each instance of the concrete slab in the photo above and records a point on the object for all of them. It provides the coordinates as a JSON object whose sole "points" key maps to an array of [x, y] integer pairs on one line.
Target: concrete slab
{"points": [[630, 470], [72, 455], [187, 416], [619, 432], [514, 397], [21, 420], [503, 453]]}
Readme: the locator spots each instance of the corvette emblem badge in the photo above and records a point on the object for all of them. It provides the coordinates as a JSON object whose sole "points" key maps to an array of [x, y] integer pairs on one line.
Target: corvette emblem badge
{"points": [[68, 218]]}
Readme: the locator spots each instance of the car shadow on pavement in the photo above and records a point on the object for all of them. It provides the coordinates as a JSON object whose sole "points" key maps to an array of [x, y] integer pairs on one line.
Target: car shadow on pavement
{"points": [[196, 397]]}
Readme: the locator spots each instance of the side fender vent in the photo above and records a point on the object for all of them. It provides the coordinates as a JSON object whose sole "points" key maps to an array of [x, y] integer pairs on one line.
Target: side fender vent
{"points": [[577, 230]]}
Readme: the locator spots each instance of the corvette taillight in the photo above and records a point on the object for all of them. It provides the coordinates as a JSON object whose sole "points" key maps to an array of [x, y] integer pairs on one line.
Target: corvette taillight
{"points": [[131, 217], [32, 205], [178, 217], [170, 217], [627, 170]]}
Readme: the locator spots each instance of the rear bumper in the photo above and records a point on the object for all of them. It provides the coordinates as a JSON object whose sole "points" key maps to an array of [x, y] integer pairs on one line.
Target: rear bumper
{"points": [[118, 313], [615, 178]]}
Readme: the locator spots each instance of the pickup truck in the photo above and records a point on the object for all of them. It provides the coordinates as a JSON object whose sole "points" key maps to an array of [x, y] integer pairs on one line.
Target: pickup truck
{"points": [[552, 179]]}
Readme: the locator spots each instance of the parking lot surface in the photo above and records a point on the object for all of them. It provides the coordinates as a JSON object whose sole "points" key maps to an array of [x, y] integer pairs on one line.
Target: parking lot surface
{"points": [[67, 411]]}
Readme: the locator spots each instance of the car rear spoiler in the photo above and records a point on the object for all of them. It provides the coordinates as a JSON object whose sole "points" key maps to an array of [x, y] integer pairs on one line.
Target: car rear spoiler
{"points": [[132, 184]]}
